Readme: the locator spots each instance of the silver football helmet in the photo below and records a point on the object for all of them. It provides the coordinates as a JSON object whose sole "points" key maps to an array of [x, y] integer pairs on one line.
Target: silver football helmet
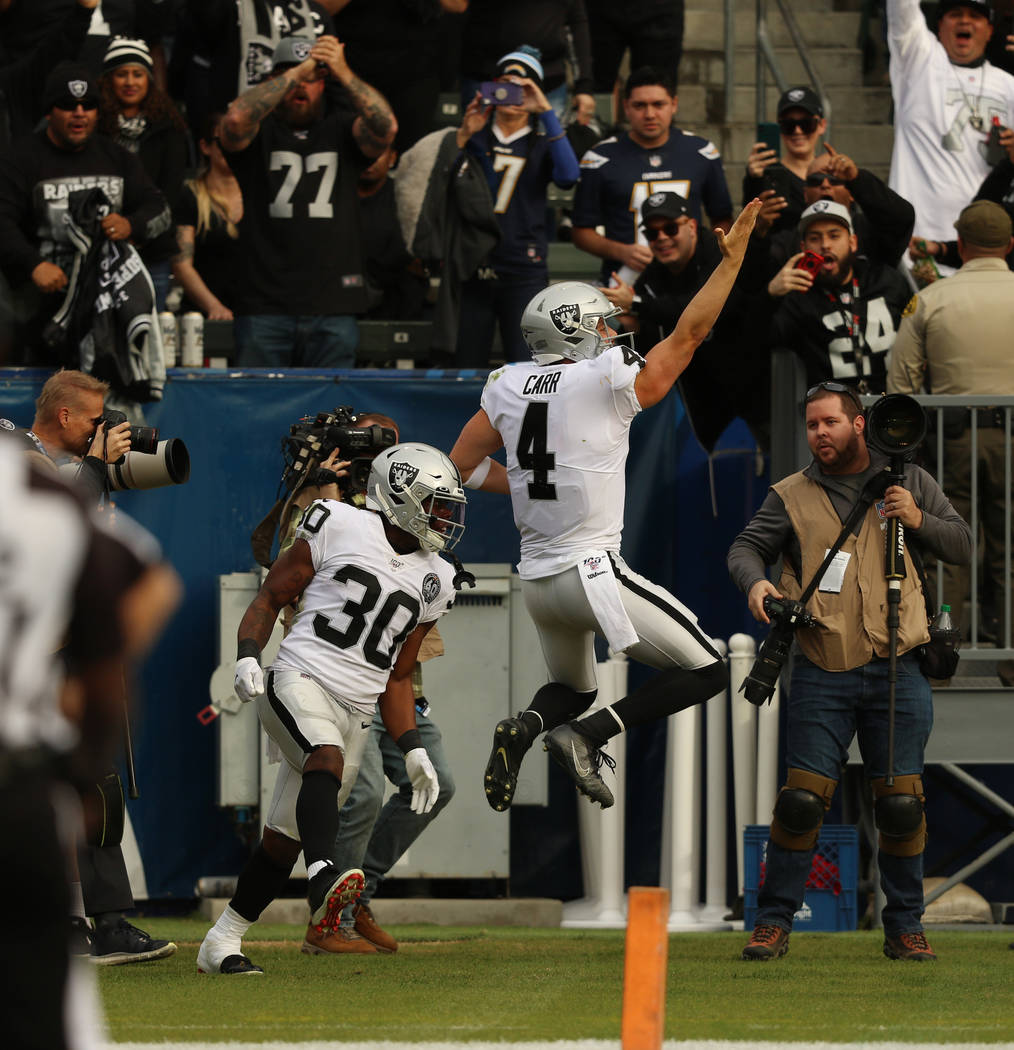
{"points": [[418, 489], [562, 321]]}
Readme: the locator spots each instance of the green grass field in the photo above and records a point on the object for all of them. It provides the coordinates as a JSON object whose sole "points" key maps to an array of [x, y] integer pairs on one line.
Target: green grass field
{"points": [[517, 984]]}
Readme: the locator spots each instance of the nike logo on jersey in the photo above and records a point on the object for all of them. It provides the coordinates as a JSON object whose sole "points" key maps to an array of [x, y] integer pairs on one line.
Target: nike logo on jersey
{"points": [[583, 770], [364, 725]]}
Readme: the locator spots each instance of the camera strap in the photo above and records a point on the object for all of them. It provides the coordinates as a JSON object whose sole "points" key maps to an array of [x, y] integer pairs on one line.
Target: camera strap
{"points": [[873, 489]]}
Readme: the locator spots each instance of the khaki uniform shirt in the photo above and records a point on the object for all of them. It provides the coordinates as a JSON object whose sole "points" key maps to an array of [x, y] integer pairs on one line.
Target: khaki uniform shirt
{"points": [[957, 335]]}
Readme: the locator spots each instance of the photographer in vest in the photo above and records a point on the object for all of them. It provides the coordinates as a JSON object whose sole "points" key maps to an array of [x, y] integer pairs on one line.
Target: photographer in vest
{"points": [[839, 687]]}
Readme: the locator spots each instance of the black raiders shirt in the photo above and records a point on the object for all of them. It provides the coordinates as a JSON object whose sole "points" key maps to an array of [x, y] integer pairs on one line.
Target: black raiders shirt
{"points": [[300, 234]]}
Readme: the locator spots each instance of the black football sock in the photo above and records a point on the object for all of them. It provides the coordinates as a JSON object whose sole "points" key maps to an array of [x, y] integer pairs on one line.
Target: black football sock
{"points": [[317, 815], [553, 705], [661, 696], [260, 882]]}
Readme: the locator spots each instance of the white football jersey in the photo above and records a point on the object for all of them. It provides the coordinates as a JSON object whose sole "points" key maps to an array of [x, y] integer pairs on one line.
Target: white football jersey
{"points": [[939, 158], [565, 430], [362, 603]]}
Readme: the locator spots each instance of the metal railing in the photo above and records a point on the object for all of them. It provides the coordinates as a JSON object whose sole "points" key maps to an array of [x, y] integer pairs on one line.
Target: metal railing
{"points": [[766, 55]]}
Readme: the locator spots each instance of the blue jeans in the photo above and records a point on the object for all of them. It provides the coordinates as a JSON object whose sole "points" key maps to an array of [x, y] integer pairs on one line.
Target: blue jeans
{"points": [[281, 341], [486, 304], [372, 837], [826, 710]]}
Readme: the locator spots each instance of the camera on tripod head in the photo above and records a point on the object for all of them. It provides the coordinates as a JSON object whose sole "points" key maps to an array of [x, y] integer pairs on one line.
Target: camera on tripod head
{"points": [[786, 615], [310, 442]]}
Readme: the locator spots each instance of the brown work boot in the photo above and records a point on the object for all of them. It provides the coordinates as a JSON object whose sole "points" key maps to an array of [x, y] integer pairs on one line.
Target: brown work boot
{"points": [[768, 942], [367, 928], [911, 946], [335, 942]]}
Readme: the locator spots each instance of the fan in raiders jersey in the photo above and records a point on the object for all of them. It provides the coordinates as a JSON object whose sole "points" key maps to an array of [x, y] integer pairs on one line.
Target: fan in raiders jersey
{"points": [[373, 585], [843, 322], [302, 281], [563, 421]]}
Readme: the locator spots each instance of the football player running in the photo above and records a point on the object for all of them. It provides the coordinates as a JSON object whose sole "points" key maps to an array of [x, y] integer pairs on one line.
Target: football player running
{"points": [[564, 421], [373, 584]]}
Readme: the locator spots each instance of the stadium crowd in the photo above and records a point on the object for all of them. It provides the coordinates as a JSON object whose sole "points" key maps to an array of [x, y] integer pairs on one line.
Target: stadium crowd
{"points": [[282, 165]]}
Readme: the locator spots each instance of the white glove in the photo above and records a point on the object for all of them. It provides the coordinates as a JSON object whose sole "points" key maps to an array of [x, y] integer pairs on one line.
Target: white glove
{"points": [[425, 787], [249, 680]]}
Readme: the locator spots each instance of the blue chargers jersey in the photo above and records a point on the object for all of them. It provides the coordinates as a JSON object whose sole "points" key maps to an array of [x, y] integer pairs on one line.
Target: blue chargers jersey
{"points": [[617, 176], [522, 169]]}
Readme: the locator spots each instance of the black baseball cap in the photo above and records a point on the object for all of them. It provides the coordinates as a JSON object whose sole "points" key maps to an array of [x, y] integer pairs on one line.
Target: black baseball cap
{"points": [[801, 98], [291, 51], [69, 84], [664, 205], [984, 7]]}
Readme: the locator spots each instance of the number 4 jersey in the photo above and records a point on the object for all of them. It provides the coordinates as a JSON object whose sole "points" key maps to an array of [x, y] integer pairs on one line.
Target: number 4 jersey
{"points": [[364, 600], [565, 430]]}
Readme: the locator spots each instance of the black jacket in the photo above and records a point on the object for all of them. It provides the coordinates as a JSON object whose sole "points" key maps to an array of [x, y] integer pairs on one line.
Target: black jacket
{"points": [[814, 324]]}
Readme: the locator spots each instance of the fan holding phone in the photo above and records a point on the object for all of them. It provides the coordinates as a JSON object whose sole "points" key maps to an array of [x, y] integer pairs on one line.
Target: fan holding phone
{"points": [[777, 164]]}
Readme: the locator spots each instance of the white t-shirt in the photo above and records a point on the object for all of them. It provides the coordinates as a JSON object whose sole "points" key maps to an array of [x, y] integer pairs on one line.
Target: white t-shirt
{"points": [[939, 160], [362, 603], [565, 430]]}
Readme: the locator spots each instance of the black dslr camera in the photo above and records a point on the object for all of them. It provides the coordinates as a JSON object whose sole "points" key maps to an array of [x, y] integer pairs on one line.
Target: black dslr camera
{"points": [[310, 442], [142, 439], [786, 615]]}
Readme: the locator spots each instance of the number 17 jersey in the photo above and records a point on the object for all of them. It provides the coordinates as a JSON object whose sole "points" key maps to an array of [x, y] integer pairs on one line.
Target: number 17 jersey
{"points": [[565, 430], [362, 603]]}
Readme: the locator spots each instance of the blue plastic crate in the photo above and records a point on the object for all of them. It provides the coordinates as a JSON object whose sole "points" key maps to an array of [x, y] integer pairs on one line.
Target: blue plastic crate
{"points": [[830, 899]]}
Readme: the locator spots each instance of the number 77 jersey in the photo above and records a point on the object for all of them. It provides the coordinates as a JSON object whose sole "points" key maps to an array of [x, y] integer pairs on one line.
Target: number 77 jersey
{"points": [[364, 600], [565, 430]]}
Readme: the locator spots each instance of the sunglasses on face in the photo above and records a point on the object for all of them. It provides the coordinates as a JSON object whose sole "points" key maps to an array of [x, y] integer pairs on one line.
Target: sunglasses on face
{"points": [[652, 233], [70, 104], [818, 178], [834, 388], [807, 125]]}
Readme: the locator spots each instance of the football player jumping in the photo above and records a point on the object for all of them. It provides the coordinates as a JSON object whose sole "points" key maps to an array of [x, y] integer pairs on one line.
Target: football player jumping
{"points": [[372, 585], [563, 421]]}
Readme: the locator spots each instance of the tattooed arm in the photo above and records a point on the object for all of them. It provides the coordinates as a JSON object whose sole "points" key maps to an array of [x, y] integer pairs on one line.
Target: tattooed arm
{"points": [[375, 127], [285, 582], [243, 119]]}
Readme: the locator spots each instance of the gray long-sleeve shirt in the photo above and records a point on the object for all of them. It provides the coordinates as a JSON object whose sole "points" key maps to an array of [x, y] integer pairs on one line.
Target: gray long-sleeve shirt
{"points": [[769, 534]]}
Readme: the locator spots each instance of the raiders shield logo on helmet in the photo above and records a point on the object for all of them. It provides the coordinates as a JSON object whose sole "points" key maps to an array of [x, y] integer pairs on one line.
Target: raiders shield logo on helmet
{"points": [[401, 475], [430, 586], [656, 199], [565, 318], [77, 88], [301, 49]]}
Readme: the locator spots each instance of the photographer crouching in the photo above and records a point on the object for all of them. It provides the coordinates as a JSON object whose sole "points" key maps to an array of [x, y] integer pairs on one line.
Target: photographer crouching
{"points": [[840, 678]]}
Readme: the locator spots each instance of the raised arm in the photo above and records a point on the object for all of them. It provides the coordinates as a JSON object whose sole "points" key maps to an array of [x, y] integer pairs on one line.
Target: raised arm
{"points": [[375, 127], [242, 120], [666, 360]]}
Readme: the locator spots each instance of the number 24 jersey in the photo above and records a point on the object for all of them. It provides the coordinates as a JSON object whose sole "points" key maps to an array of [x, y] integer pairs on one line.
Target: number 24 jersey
{"points": [[565, 429], [362, 603]]}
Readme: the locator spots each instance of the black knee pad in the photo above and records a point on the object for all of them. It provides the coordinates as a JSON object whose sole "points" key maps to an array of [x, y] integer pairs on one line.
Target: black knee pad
{"points": [[107, 799], [800, 808], [900, 815]]}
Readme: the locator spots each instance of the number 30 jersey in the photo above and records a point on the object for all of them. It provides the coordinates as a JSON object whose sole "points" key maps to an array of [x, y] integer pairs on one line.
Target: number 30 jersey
{"points": [[362, 603], [565, 430]]}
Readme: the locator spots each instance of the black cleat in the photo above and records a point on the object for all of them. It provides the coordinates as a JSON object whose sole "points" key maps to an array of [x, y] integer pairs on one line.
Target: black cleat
{"points": [[511, 740], [122, 943], [328, 893], [582, 760]]}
